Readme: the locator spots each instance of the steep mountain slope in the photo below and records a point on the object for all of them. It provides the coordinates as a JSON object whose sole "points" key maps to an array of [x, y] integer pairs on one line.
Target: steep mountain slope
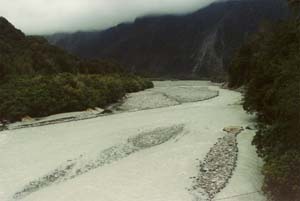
{"points": [[198, 44], [23, 55], [38, 79], [20, 54]]}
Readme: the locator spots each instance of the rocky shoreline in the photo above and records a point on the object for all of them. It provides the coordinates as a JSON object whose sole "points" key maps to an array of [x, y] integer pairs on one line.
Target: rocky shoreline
{"points": [[172, 98], [79, 116]]}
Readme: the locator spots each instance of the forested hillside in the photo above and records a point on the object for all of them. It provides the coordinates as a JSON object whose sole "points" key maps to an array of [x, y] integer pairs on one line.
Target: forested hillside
{"points": [[269, 66], [20, 54], [194, 45], [39, 79]]}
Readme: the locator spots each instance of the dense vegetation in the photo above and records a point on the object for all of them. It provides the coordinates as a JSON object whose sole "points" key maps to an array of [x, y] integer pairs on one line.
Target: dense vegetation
{"points": [[38, 79], [20, 54], [269, 67], [50, 94]]}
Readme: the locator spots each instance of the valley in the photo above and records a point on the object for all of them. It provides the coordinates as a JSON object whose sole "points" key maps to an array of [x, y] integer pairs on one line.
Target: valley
{"points": [[151, 150]]}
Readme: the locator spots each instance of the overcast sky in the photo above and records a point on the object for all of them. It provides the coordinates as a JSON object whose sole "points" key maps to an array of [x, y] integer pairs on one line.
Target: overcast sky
{"points": [[49, 16]]}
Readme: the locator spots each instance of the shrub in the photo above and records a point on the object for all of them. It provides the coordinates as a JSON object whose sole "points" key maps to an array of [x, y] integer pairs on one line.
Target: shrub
{"points": [[282, 177], [269, 66], [44, 95]]}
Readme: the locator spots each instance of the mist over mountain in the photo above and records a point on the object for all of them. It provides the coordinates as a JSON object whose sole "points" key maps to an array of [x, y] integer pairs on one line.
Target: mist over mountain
{"points": [[40, 17], [200, 44]]}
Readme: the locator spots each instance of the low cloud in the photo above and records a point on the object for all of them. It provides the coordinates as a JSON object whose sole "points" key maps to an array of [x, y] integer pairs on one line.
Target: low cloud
{"points": [[49, 16]]}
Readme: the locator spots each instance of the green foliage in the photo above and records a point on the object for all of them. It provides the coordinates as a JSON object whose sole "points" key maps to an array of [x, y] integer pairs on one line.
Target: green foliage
{"points": [[269, 66], [44, 95], [282, 174], [34, 55], [20, 54], [38, 79]]}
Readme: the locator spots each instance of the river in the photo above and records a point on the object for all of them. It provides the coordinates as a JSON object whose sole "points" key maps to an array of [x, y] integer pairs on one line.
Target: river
{"points": [[150, 149]]}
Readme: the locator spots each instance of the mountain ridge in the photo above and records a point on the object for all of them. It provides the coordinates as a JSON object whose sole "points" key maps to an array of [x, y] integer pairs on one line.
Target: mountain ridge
{"points": [[38, 79], [198, 44]]}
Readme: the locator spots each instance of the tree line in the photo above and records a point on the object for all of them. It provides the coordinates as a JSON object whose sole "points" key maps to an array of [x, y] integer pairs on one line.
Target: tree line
{"points": [[269, 67], [38, 79]]}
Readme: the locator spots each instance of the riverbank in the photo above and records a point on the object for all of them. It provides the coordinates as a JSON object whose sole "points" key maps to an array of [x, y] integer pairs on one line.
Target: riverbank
{"points": [[162, 172]]}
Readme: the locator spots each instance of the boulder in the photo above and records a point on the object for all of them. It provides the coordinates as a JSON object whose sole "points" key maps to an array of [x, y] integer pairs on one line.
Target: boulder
{"points": [[27, 119], [234, 130], [98, 109]]}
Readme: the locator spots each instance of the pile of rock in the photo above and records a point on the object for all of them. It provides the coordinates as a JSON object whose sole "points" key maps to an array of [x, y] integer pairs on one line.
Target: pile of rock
{"points": [[81, 165], [218, 165]]}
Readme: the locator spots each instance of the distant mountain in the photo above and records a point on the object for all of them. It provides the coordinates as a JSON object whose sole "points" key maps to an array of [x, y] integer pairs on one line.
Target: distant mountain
{"points": [[20, 54], [24, 55], [200, 44]]}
